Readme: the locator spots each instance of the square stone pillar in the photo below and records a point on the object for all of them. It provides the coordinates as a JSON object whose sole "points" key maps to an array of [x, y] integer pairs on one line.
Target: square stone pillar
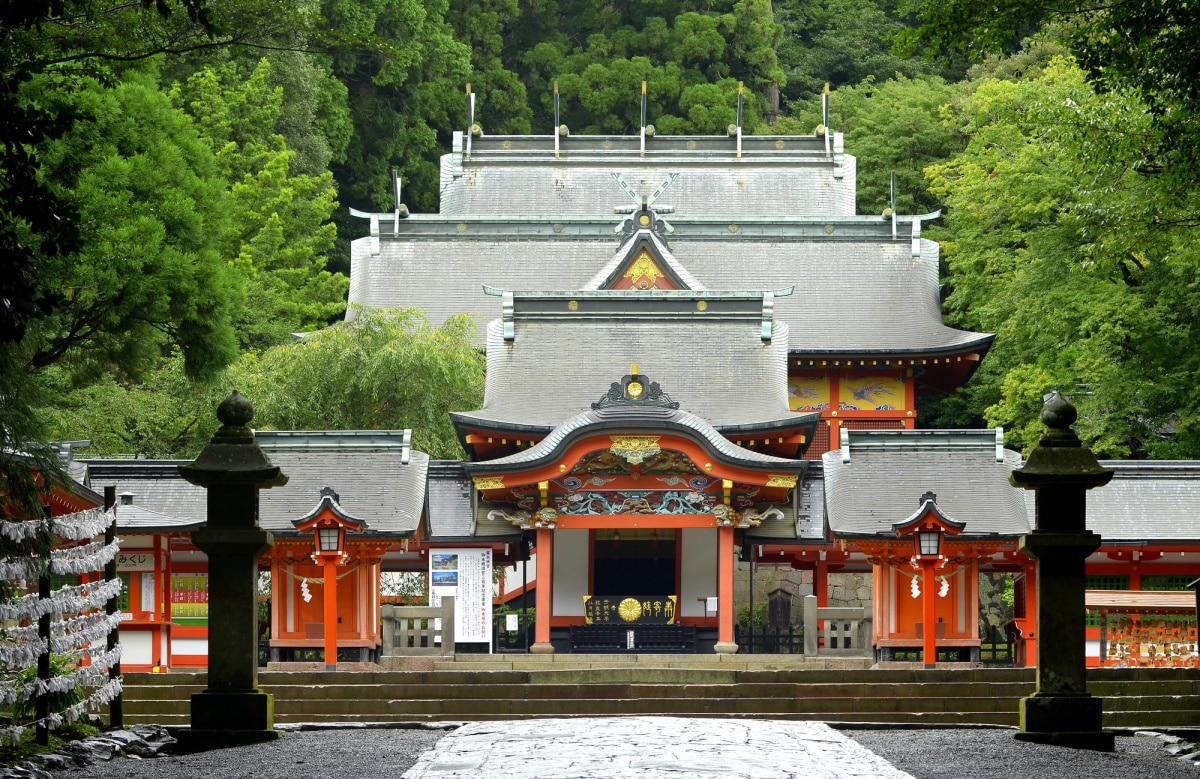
{"points": [[232, 467], [1060, 470]]}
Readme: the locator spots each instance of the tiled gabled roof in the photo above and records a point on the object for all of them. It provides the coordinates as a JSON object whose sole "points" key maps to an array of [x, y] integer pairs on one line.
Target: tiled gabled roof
{"points": [[774, 176], [858, 290], [882, 480], [1154, 501], [378, 477], [156, 486], [704, 349]]}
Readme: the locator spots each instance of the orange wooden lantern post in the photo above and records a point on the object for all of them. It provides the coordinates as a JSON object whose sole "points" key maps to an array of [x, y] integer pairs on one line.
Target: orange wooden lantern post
{"points": [[329, 523], [928, 527]]}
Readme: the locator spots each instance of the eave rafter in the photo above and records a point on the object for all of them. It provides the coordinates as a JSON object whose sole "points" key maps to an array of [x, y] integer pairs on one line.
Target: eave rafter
{"points": [[958, 551]]}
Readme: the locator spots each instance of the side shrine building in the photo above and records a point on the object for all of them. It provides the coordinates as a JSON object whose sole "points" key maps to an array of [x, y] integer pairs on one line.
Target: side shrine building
{"points": [[696, 352]]}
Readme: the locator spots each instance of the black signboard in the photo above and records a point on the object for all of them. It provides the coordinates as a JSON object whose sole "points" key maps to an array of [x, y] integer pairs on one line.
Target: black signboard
{"points": [[630, 609]]}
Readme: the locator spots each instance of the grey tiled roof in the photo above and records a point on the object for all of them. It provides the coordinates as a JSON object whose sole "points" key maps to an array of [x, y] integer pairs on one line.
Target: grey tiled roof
{"points": [[858, 294], [156, 485], [448, 501], [632, 419], [1147, 501], [137, 519], [804, 520], [889, 471], [451, 516], [365, 468], [719, 370], [775, 176]]}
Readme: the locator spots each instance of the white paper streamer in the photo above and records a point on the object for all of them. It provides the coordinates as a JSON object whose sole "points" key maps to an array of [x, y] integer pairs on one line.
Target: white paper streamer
{"points": [[19, 531], [80, 635], [102, 695], [83, 524], [70, 560], [74, 527], [66, 600], [65, 627], [83, 559]]}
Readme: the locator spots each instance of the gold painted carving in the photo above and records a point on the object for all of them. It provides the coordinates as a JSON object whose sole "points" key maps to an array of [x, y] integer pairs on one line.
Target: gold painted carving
{"points": [[634, 449], [701, 305], [572, 305], [643, 266], [781, 480], [634, 388], [489, 482], [629, 609]]}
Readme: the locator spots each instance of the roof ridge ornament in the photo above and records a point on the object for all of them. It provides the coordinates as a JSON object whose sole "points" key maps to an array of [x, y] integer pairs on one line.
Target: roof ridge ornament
{"points": [[644, 216], [635, 389]]}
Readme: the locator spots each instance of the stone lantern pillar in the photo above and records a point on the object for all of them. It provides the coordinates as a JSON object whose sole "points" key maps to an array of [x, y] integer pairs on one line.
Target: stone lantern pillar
{"points": [[1060, 470], [233, 469]]}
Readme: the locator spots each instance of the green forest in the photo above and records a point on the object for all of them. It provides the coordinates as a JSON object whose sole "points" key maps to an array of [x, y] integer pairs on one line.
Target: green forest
{"points": [[177, 177]]}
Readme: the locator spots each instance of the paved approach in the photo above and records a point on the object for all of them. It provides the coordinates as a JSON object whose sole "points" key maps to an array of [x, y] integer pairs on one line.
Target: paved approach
{"points": [[650, 748]]}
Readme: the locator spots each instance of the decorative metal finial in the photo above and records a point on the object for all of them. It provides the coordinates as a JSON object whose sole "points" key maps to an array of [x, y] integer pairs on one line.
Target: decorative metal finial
{"points": [[235, 411], [1058, 413]]}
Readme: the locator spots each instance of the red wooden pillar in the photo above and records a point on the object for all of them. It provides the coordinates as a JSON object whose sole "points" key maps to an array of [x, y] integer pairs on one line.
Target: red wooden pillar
{"points": [[929, 613], [1031, 611], [725, 643], [331, 615], [545, 573]]}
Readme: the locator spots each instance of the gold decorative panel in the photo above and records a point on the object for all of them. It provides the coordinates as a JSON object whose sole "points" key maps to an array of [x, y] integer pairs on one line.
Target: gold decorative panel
{"points": [[808, 393], [634, 449], [643, 272], [872, 393]]}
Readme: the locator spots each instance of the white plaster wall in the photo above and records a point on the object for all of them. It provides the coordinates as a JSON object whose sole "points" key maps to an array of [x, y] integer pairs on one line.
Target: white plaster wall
{"points": [[512, 575], [188, 646], [137, 647], [570, 572], [698, 570]]}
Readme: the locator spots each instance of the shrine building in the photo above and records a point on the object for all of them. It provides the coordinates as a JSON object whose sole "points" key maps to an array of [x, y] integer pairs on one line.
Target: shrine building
{"points": [[696, 351]]}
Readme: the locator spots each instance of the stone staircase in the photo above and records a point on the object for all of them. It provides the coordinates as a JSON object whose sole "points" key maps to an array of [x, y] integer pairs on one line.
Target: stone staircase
{"points": [[478, 687]]}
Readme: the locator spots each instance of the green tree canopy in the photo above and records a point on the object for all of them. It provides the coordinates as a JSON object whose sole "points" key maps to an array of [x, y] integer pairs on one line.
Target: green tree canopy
{"points": [[1061, 238], [381, 370], [152, 211], [890, 126], [280, 230], [1149, 48]]}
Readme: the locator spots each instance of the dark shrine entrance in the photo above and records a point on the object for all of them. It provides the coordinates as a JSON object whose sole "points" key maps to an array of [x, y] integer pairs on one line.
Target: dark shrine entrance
{"points": [[633, 561]]}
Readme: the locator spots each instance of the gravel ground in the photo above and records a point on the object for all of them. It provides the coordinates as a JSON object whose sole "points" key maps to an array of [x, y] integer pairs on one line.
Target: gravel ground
{"points": [[307, 754], [995, 754], [926, 754]]}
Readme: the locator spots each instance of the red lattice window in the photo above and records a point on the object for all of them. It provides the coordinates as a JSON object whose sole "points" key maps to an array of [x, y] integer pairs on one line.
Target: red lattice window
{"points": [[873, 424], [820, 442]]}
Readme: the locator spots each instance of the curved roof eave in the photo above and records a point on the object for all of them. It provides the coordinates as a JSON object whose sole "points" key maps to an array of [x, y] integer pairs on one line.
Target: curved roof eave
{"points": [[591, 423]]}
